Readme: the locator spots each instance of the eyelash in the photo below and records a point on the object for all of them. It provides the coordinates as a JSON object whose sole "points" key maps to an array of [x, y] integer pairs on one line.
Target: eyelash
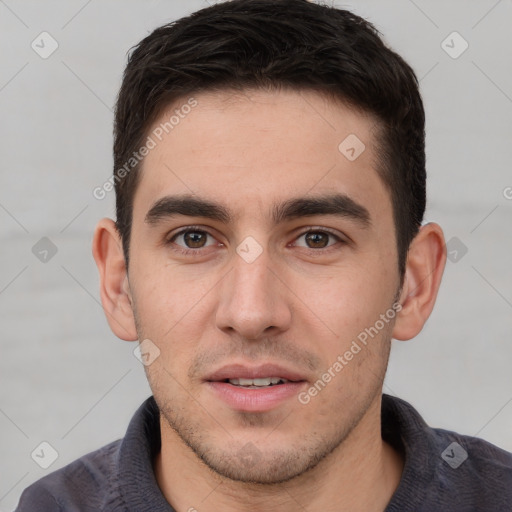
{"points": [[197, 252]]}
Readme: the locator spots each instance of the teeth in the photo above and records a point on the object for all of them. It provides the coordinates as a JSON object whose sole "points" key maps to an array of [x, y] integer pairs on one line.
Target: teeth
{"points": [[267, 381]]}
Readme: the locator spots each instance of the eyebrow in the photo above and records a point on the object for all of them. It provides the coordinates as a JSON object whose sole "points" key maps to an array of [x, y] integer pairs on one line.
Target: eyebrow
{"points": [[333, 204]]}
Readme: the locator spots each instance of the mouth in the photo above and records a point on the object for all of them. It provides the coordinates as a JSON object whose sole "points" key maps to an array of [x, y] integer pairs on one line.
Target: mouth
{"points": [[255, 389], [265, 382], [262, 375]]}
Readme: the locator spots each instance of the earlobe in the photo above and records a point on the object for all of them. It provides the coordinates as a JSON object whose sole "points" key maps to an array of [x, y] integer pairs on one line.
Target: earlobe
{"points": [[114, 286], [424, 269]]}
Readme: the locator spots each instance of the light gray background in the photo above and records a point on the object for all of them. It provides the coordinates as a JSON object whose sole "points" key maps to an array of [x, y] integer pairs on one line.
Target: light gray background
{"points": [[67, 380]]}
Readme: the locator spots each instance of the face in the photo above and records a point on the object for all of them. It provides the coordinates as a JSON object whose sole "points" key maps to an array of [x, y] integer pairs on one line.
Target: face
{"points": [[262, 248]]}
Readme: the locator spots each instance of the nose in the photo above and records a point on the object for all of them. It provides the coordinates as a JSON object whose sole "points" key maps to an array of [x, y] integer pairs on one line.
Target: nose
{"points": [[253, 300]]}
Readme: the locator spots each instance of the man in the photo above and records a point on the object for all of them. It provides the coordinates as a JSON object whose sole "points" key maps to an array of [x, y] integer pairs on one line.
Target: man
{"points": [[270, 188]]}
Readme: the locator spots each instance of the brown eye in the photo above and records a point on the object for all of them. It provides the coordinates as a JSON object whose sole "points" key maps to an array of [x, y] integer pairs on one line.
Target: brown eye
{"points": [[190, 239], [317, 239], [194, 239]]}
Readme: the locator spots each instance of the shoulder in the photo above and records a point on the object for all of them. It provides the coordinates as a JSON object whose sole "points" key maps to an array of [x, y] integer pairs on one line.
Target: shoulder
{"points": [[85, 484], [485, 464], [445, 470], [471, 473]]}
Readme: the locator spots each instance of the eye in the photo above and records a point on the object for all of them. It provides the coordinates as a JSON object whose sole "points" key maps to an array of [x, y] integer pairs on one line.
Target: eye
{"points": [[317, 239], [191, 239]]}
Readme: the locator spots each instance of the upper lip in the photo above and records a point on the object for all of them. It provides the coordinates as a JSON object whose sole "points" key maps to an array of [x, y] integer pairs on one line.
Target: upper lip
{"points": [[236, 371]]}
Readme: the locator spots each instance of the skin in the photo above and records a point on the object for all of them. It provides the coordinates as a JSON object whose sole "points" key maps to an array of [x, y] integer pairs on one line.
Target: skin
{"points": [[300, 303]]}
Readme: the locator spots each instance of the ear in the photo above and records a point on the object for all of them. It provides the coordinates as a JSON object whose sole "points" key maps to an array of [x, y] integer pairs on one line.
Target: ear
{"points": [[114, 286], [426, 260]]}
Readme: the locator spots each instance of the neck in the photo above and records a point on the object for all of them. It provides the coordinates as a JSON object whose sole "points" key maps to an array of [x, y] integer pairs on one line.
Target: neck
{"points": [[361, 474]]}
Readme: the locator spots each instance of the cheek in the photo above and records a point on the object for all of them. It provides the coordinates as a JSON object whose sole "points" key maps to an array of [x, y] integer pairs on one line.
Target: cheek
{"points": [[349, 301], [170, 309], [356, 351], [166, 289]]}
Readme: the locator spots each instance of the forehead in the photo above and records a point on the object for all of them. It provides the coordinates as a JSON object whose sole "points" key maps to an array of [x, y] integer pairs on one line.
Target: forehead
{"points": [[250, 150]]}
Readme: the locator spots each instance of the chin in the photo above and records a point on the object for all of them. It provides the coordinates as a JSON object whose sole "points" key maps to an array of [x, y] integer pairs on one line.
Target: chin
{"points": [[260, 462], [251, 466]]}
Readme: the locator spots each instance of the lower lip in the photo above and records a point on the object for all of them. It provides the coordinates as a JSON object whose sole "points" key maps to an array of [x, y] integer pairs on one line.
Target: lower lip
{"points": [[255, 400]]}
